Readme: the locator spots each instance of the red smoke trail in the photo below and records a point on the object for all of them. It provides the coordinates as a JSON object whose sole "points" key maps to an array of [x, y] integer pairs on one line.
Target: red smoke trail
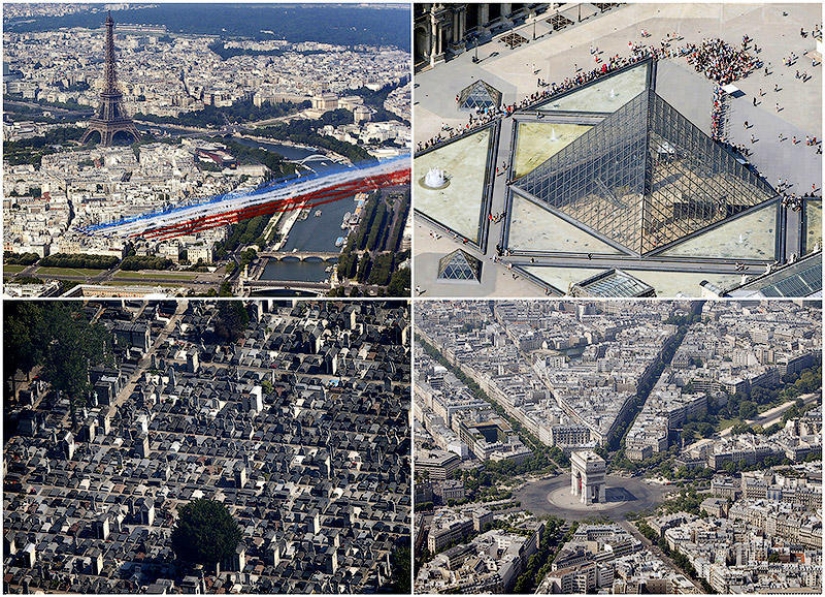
{"points": [[306, 200]]}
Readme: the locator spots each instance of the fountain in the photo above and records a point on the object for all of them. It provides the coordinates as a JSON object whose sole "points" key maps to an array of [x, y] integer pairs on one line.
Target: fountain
{"points": [[435, 179], [553, 137]]}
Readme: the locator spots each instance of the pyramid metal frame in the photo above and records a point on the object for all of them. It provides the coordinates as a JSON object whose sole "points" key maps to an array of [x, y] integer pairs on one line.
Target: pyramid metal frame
{"points": [[644, 179], [479, 95], [459, 266]]}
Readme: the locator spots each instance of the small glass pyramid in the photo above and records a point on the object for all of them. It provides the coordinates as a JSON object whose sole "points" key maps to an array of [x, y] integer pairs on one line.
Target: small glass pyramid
{"points": [[459, 266], [479, 95]]}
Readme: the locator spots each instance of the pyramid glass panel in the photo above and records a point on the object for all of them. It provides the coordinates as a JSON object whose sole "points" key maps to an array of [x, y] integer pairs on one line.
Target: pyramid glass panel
{"points": [[459, 266], [479, 95], [538, 141], [644, 178], [534, 229]]}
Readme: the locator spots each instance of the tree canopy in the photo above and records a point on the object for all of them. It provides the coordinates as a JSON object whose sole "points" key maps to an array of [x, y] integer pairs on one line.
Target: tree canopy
{"points": [[231, 321], [22, 349], [205, 533], [58, 336]]}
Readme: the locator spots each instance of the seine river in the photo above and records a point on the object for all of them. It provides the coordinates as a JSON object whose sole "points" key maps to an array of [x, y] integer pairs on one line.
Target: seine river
{"points": [[315, 233]]}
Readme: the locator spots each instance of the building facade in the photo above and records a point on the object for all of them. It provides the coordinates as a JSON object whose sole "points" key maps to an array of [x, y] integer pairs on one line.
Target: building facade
{"points": [[441, 30]]}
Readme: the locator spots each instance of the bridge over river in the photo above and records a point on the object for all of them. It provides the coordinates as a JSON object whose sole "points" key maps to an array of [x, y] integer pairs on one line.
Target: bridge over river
{"points": [[316, 288], [327, 256]]}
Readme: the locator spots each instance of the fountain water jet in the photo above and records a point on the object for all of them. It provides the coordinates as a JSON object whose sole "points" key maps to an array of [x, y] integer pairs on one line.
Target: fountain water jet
{"points": [[435, 179]]}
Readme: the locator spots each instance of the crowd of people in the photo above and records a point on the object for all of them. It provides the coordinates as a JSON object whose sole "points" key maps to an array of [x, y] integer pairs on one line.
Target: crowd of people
{"points": [[721, 62], [792, 202]]}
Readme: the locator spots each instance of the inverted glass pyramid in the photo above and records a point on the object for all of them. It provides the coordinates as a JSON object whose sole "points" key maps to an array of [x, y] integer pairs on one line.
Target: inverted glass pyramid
{"points": [[644, 178], [479, 95], [459, 266]]}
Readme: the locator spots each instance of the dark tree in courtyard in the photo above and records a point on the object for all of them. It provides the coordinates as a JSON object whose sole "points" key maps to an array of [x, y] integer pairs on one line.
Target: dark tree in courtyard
{"points": [[58, 336], [402, 568], [22, 349], [75, 345], [231, 321], [205, 533]]}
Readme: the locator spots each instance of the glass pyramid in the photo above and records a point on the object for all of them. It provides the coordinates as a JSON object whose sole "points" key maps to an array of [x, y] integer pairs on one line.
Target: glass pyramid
{"points": [[643, 178], [479, 95], [459, 266]]}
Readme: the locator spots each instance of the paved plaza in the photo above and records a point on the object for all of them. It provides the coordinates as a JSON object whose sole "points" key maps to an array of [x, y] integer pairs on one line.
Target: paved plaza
{"points": [[553, 496], [533, 251]]}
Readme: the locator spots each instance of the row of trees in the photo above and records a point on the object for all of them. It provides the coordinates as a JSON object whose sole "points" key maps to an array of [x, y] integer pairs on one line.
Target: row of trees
{"points": [[79, 260], [304, 132], [747, 406], [374, 234], [393, 242], [240, 111], [32, 150], [15, 110], [243, 233], [677, 556], [538, 462], [541, 562], [139, 262], [11, 258]]}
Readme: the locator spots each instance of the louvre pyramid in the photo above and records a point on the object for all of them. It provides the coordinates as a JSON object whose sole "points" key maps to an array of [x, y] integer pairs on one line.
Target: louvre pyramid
{"points": [[644, 178], [459, 266], [479, 95]]}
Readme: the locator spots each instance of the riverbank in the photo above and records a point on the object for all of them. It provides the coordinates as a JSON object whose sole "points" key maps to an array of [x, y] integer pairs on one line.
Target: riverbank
{"points": [[284, 226]]}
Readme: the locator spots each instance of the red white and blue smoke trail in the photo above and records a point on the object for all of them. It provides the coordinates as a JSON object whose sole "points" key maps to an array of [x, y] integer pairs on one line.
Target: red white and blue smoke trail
{"points": [[278, 196]]}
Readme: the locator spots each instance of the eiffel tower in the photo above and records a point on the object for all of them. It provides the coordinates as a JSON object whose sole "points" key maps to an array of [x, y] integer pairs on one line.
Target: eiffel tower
{"points": [[110, 118]]}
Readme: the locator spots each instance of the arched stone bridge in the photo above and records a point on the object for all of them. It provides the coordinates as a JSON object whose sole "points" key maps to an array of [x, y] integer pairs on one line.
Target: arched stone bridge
{"points": [[327, 257]]}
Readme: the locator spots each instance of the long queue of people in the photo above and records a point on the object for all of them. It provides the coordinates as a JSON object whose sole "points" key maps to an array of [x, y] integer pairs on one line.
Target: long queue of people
{"points": [[717, 115]]}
